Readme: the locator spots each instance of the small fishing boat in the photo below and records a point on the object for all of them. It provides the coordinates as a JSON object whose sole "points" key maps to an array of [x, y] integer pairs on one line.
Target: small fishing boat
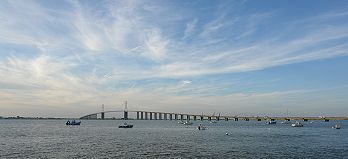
{"points": [[200, 127], [187, 123], [73, 122], [297, 124], [271, 122], [337, 126], [125, 125]]}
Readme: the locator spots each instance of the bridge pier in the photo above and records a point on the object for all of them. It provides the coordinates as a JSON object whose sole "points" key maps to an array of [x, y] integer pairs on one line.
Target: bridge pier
{"points": [[176, 116], [217, 118], [155, 116], [194, 117], [246, 119], [142, 115], [160, 116], [137, 115], [235, 119], [125, 115], [209, 118], [226, 119], [146, 117], [181, 117], [202, 117], [165, 116], [102, 115], [150, 115], [188, 117]]}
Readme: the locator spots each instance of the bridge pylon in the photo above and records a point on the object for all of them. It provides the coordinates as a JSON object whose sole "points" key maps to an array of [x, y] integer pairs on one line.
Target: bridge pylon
{"points": [[125, 112]]}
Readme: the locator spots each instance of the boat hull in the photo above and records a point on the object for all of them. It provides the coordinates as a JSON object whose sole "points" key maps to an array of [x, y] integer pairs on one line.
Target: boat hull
{"points": [[125, 126], [78, 123]]}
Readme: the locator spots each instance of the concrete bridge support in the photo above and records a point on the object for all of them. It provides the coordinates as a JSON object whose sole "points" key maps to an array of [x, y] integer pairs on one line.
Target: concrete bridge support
{"points": [[194, 117], [170, 116], [176, 116], [160, 116], [226, 119], [142, 115], [138, 116], [102, 115], [155, 115], [146, 117], [181, 117], [165, 116], [150, 116], [201, 117], [235, 119], [209, 118], [125, 115]]}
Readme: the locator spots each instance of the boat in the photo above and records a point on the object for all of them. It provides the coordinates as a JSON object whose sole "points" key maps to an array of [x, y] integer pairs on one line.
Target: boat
{"points": [[180, 122], [213, 122], [187, 123], [337, 126], [125, 125], [271, 122], [297, 124], [200, 127], [73, 122]]}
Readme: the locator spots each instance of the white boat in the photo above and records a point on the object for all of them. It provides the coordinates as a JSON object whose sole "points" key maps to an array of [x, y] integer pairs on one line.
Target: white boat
{"points": [[187, 123], [200, 127], [180, 122], [337, 126], [297, 124]]}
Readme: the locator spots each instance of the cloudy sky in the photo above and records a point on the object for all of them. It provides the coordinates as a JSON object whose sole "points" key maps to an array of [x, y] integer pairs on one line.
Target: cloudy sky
{"points": [[66, 58]]}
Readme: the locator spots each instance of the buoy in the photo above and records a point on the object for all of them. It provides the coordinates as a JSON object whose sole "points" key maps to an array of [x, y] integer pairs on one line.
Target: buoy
{"points": [[226, 133]]}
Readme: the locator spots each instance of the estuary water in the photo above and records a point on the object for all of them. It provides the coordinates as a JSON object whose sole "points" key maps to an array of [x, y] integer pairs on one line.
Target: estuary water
{"points": [[168, 139]]}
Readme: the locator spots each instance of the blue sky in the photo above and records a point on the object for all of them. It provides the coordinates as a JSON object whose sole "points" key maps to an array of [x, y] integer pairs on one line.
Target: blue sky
{"points": [[66, 58]]}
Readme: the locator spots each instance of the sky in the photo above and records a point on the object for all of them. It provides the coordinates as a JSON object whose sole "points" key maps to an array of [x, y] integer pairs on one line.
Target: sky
{"points": [[246, 58]]}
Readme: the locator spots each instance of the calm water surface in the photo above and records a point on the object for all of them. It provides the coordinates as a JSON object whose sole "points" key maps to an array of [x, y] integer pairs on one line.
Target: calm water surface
{"points": [[168, 139]]}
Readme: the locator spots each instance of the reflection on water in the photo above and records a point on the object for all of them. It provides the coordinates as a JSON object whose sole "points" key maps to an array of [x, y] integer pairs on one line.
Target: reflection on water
{"points": [[168, 139]]}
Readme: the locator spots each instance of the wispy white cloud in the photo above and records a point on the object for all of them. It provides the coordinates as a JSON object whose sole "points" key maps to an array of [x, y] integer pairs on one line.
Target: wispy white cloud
{"points": [[190, 26], [81, 54]]}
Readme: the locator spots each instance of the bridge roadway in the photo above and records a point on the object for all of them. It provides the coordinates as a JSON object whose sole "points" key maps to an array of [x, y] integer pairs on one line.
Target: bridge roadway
{"points": [[151, 115]]}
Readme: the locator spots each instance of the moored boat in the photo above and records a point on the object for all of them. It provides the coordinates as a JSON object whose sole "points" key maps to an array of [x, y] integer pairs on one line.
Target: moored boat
{"points": [[200, 127], [337, 126], [73, 122], [297, 124], [125, 125], [271, 122]]}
